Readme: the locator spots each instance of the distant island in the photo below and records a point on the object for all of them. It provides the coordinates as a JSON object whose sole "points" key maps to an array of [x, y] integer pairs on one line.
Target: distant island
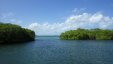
{"points": [[87, 34], [11, 33]]}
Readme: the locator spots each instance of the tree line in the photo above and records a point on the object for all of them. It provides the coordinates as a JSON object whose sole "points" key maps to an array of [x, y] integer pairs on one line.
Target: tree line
{"points": [[10, 33], [87, 34]]}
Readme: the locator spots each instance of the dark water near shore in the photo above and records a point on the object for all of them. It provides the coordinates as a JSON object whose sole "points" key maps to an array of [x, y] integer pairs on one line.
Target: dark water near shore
{"points": [[51, 50]]}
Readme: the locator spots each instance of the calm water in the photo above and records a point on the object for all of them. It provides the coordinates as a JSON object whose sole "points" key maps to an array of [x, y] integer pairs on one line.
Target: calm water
{"points": [[51, 50]]}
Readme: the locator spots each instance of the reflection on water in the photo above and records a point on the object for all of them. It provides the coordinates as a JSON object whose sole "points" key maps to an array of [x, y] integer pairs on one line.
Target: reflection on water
{"points": [[51, 50]]}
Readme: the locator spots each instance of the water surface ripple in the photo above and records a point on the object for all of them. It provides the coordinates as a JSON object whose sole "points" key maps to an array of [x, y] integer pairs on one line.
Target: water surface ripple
{"points": [[52, 50]]}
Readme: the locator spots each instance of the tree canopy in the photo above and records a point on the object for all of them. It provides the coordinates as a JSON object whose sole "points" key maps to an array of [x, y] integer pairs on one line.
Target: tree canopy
{"points": [[85, 34], [11, 33]]}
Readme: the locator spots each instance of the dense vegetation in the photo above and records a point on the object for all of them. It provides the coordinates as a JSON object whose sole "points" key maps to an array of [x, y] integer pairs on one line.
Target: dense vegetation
{"points": [[85, 34], [11, 33]]}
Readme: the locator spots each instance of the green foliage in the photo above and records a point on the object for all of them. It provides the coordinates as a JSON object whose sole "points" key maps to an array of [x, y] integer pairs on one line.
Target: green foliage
{"points": [[15, 33], [84, 34]]}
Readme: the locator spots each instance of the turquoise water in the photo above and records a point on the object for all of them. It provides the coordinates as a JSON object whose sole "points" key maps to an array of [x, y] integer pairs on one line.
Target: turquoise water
{"points": [[51, 50]]}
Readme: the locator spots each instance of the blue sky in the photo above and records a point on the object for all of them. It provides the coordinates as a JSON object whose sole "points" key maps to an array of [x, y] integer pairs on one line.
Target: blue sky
{"points": [[35, 14]]}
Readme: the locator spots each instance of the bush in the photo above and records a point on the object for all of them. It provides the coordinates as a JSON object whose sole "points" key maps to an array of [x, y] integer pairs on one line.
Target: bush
{"points": [[10, 33], [84, 34]]}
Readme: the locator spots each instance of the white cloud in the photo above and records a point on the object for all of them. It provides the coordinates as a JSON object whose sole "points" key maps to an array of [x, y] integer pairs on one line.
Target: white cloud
{"points": [[84, 20], [9, 18], [78, 10], [96, 17]]}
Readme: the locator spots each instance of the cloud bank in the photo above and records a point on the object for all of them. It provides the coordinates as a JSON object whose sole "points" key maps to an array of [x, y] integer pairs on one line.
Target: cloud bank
{"points": [[84, 20]]}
